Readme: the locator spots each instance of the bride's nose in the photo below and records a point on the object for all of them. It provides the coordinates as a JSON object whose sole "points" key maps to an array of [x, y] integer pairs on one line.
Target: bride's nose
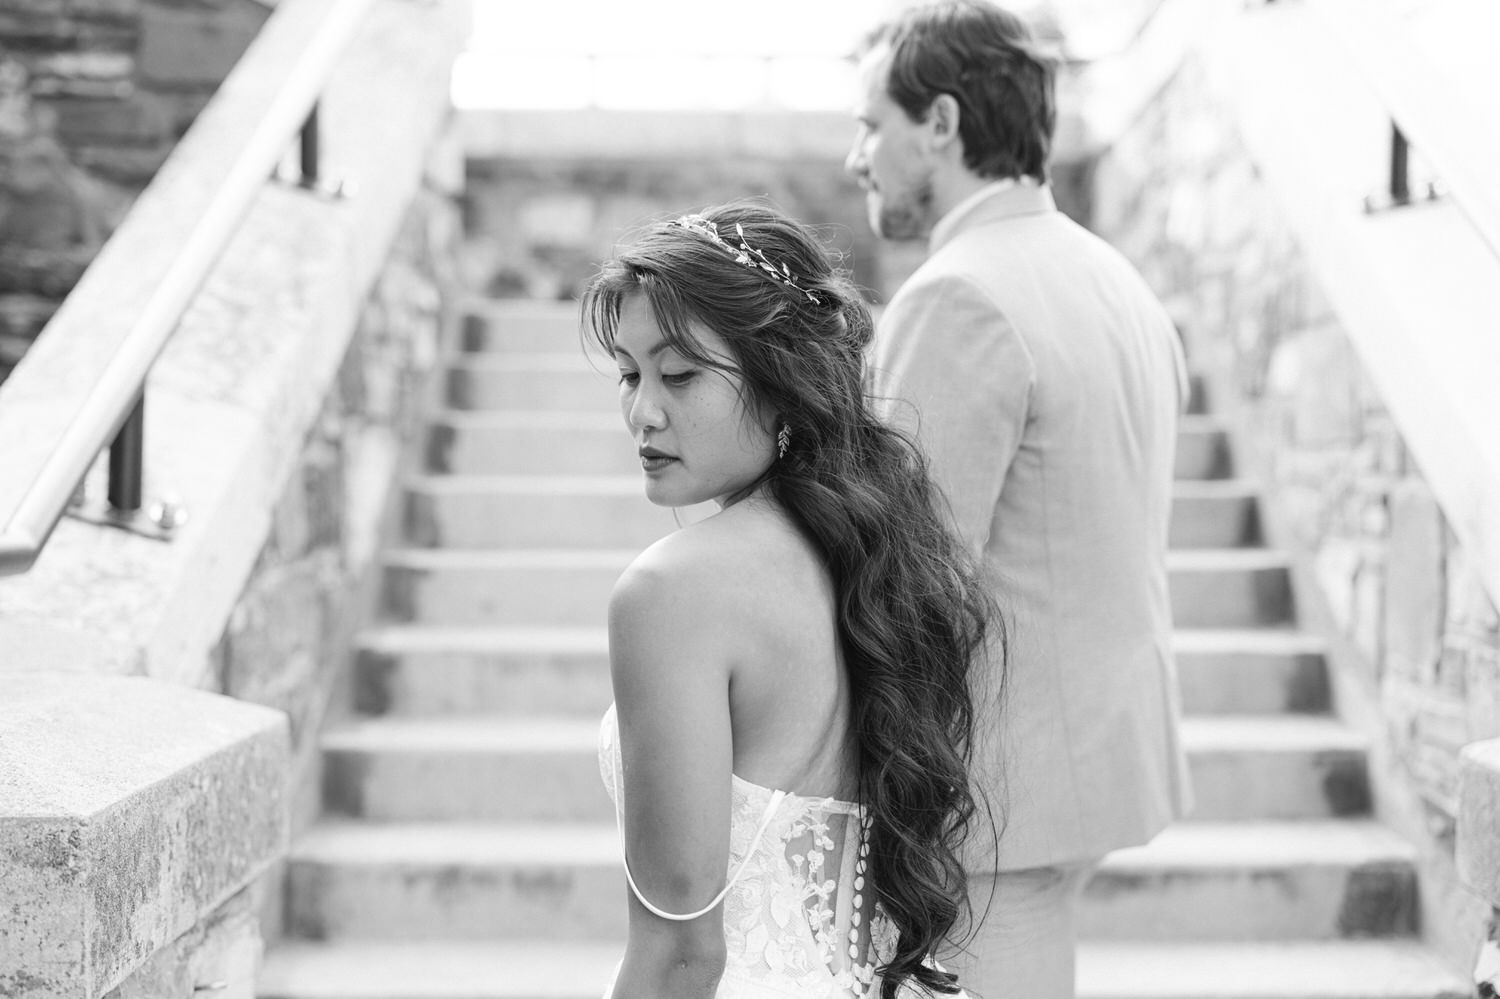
{"points": [[645, 412]]}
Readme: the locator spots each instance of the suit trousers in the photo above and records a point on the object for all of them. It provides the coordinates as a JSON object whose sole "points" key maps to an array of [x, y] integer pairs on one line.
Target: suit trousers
{"points": [[1025, 946]]}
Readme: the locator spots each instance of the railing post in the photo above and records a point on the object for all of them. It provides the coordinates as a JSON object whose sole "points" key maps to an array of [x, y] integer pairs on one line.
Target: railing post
{"points": [[310, 152], [1400, 152], [125, 459]]}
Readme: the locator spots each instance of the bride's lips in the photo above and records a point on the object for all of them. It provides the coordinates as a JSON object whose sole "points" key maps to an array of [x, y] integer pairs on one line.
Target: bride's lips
{"points": [[653, 460]]}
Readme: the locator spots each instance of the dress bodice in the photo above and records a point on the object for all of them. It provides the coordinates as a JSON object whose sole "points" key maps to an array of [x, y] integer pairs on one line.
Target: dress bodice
{"points": [[800, 920]]}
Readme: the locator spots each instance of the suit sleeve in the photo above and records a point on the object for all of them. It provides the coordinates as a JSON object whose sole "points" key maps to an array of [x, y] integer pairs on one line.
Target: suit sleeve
{"points": [[949, 367]]}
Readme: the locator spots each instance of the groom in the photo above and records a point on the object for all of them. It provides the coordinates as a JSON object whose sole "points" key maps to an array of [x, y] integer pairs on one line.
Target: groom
{"points": [[1044, 381]]}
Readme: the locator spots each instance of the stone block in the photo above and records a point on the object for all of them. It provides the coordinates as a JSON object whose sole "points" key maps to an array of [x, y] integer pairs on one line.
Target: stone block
{"points": [[190, 45], [47, 203], [129, 168], [1311, 371], [83, 74], [1478, 847], [44, 30], [558, 219], [143, 119], [129, 810], [285, 640], [219, 957]]}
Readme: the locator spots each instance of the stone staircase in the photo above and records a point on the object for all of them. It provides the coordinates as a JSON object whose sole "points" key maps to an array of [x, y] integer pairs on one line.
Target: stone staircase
{"points": [[468, 849]]}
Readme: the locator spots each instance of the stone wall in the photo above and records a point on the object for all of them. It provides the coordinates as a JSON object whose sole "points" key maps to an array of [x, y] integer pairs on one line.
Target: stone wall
{"points": [[1417, 639], [539, 228], [289, 636], [93, 96], [277, 415]]}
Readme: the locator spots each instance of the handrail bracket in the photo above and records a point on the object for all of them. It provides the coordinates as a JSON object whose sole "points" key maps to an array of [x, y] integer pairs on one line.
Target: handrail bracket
{"points": [[1398, 192], [308, 174]]}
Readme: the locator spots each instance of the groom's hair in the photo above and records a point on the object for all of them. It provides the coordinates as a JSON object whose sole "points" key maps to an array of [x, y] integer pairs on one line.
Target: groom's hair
{"points": [[989, 61]]}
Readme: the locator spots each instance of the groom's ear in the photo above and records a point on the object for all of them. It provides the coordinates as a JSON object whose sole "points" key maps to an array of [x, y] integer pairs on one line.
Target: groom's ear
{"points": [[942, 120]]}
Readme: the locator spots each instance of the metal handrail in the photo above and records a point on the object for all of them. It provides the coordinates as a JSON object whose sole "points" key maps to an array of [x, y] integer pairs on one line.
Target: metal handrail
{"points": [[197, 201], [1421, 115]]}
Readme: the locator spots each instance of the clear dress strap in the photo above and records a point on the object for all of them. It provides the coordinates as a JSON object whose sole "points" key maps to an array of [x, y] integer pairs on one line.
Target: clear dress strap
{"points": [[681, 917]]}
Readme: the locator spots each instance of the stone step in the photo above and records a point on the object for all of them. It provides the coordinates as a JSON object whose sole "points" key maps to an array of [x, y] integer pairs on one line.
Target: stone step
{"points": [[1256, 881], [446, 881], [1198, 401], [1203, 450], [578, 511], [569, 381], [571, 587], [1196, 881], [544, 968], [521, 326], [1207, 513], [419, 670], [540, 968], [1230, 588], [544, 768], [473, 768], [525, 588], [582, 442], [1259, 767], [522, 511], [1251, 671], [530, 443], [1339, 969]]}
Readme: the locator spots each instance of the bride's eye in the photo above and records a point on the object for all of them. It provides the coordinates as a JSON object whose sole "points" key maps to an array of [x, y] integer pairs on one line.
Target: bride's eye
{"points": [[629, 377], [679, 378]]}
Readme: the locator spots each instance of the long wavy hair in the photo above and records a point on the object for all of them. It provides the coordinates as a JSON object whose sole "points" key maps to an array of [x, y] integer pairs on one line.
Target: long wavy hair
{"points": [[913, 616]]}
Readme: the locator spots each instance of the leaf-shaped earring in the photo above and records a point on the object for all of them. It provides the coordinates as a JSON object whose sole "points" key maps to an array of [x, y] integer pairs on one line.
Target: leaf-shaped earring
{"points": [[783, 441]]}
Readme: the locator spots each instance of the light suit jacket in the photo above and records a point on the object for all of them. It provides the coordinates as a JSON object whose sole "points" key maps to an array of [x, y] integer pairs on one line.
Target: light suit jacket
{"points": [[1044, 381]]}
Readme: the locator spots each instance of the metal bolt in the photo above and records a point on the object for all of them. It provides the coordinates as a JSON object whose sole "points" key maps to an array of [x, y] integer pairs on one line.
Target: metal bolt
{"points": [[168, 514]]}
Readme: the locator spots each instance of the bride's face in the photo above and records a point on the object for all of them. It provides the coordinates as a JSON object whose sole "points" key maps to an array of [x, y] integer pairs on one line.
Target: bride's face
{"points": [[697, 438]]}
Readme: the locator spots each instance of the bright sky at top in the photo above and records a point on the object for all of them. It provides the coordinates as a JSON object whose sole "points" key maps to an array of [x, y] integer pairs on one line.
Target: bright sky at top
{"points": [[715, 55], [705, 54]]}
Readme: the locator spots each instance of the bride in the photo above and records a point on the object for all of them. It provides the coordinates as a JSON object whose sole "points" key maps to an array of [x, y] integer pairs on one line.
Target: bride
{"points": [[789, 741]]}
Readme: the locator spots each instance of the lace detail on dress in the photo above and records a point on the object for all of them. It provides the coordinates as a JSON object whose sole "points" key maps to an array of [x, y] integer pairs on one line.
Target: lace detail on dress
{"points": [[790, 918]]}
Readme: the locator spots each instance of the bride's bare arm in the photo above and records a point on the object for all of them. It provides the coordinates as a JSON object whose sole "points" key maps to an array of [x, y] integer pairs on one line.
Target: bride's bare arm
{"points": [[670, 662]]}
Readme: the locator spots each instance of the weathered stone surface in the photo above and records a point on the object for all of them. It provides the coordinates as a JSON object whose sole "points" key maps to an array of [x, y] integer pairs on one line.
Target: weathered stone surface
{"points": [[83, 74], [1414, 610], [143, 119], [542, 224], [218, 957], [195, 45], [1479, 820], [1182, 196], [129, 809]]}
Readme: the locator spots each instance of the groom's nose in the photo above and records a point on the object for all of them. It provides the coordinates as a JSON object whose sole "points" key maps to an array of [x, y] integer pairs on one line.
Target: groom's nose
{"points": [[854, 163]]}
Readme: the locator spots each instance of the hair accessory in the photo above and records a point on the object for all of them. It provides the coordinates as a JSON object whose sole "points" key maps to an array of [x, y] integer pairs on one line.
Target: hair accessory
{"points": [[744, 253], [783, 441]]}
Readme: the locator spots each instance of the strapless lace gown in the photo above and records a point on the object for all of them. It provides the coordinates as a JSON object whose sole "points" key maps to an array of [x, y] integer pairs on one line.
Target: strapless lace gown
{"points": [[799, 922]]}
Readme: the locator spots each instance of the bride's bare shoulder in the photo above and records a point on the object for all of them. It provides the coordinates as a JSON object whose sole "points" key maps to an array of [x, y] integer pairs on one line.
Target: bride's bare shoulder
{"points": [[726, 562]]}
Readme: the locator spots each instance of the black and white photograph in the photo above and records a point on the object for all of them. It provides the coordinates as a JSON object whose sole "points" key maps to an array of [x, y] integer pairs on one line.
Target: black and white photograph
{"points": [[803, 499]]}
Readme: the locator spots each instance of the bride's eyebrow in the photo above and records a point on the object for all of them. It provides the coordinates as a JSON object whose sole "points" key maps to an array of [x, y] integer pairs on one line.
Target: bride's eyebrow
{"points": [[661, 345]]}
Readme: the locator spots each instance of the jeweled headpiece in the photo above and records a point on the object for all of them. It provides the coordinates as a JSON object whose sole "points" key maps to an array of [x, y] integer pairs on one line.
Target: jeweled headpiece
{"points": [[744, 253]]}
